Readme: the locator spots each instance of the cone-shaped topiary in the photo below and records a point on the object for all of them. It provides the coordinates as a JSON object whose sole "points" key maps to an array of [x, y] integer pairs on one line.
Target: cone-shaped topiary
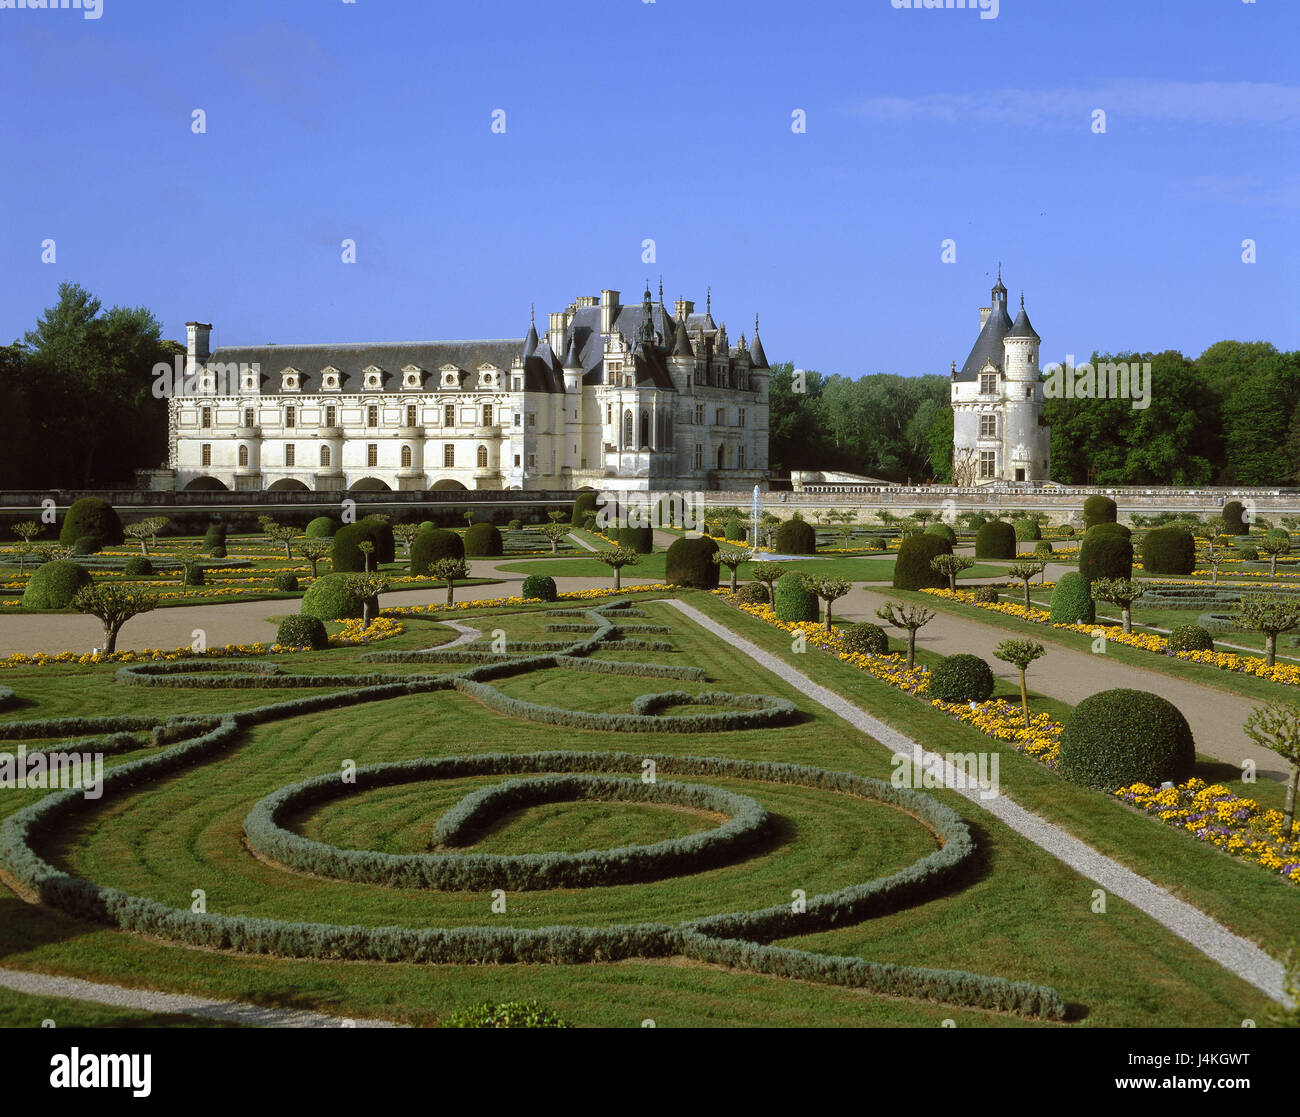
{"points": [[1121, 737], [792, 601], [1169, 550], [53, 585], [91, 516], [912, 570], [995, 540], [689, 562], [322, 527], [332, 598], [483, 540], [1072, 600], [1105, 556], [961, 678], [1099, 510], [1026, 530], [943, 531], [539, 587], [795, 537], [864, 639], [638, 539], [302, 631], [430, 546]]}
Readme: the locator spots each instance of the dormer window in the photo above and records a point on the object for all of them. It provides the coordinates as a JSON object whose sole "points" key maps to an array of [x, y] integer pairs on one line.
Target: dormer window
{"points": [[413, 377], [290, 380], [331, 379], [373, 378], [449, 376], [489, 376]]}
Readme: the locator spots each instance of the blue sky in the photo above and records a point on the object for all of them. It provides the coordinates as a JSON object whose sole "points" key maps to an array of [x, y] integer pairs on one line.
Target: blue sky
{"points": [[671, 121]]}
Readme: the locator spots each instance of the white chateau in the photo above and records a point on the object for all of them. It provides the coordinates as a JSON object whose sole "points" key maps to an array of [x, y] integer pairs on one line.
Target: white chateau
{"points": [[611, 397], [997, 402]]}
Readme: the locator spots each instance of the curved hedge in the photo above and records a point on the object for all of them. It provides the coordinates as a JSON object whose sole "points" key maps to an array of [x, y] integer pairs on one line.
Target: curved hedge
{"points": [[1099, 510], [864, 638], [639, 539], [792, 601], [1105, 556], [689, 562], [332, 598], [53, 585], [432, 545], [912, 570], [1169, 550], [91, 516], [1120, 737], [943, 531], [995, 540], [322, 527], [795, 537], [1071, 601], [483, 540], [346, 556], [539, 587], [302, 631], [961, 678]]}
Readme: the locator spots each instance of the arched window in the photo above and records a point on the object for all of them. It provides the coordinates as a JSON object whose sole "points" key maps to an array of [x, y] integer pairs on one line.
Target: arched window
{"points": [[406, 457], [482, 457], [645, 428], [243, 455], [325, 456], [627, 430]]}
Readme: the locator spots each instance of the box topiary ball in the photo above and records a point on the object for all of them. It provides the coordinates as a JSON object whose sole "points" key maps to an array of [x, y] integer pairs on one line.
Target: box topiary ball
{"points": [[1190, 638], [752, 593], [1026, 530], [795, 537], [961, 678], [793, 602], [1099, 510], [1121, 737], [332, 598], [88, 545], [53, 585], [1072, 600], [995, 540], [322, 527], [483, 540], [302, 631], [539, 587], [91, 516], [137, 566], [689, 562], [943, 531], [285, 583], [864, 639]]}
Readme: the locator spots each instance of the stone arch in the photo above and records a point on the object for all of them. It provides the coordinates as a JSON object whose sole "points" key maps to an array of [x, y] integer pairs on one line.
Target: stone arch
{"points": [[369, 485], [447, 485], [205, 485], [286, 485]]}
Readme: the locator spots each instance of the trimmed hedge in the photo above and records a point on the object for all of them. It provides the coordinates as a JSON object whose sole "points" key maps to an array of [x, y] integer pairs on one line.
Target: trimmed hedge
{"points": [[1099, 510], [539, 587], [1169, 550], [795, 537], [792, 601], [1233, 513], [483, 540], [430, 546], [584, 505], [88, 545], [943, 531], [53, 585], [1118, 531], [996, 540], [302, 631], [1120, 737], [689, 562], [1190, 638], [1071, 601], [285, 583], [91, 516], [639, 539], [912, 570], [987, 595], [332, 598], [215, 536], [864, 638], [961, 678], [322, 527], [752, 593], [1027, 531], [137, 566], [346, 556], [1105, 556]]}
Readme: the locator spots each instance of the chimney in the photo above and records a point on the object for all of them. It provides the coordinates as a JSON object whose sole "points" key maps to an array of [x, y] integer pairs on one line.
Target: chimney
{"points": [[985, 311], [558, 334], [683, 308], [196, 341], [608, 308]]}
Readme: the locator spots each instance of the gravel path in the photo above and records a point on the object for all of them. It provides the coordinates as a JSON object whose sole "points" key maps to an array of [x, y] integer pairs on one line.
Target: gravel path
{"points": [[253, 1016], [467, 636], [1234, 953]]}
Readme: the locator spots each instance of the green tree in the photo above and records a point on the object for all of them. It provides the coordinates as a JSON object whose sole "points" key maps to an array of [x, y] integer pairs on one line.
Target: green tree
{"points": [[1276, 726], [113, 606], [1020, 654], [951, 566], [616, 558], [1119, 591], [907, 616], [447, 570], [1026, 571], [767, 573], [313, 550], [732, 559], [1271, 615], [829, 590]]}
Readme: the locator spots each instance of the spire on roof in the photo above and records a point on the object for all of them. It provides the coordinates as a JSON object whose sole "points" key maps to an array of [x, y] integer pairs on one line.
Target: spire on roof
{"points": [[757, 358], [571, 358], [530, 340], [1022, 326], [682, 343]]}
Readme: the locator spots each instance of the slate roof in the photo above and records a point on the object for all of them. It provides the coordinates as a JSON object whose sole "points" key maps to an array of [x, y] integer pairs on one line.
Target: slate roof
{"points": [[757, 358], [988, 346], [1022, 327]]}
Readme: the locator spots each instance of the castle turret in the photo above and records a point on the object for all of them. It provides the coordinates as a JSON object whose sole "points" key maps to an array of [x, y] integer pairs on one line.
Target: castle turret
{"points": [[573, 367]]}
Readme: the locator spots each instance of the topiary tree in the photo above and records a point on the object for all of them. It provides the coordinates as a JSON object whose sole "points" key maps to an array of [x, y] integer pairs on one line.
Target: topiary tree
{"points": [[367, 549], [732, 560], [430, 546], [1271, 615], [137, 566], [1274, 545], [943, 531], [332, 598], [1072, 600], [322, 527], [950, 566], [284, 535], [1212, 533], [313, 550], [539, 587], [368, 587], [864, 638], [555, 532], [1099, 510], [689, 562], [1122, 592], [1027, 530], [26, 531], [1020, 654], [53, 585], [1169, 551], [752, 593], [995, 540], [961, 678], [1026, 572], [792, 600], [734, 530], [447, 570], [583, 506], [1276, 726], [907, 616], [913, 569], [302, 631], [638, 539], [795, 537], [88, 545], [1043, 547], [113, 606], [91, 516], [829, 590], [285, 583], [1190, 638], [483, 540], [767, 573], [346, 555], [1120, 737], [617, 558], [145, 531], [215, 536], [405, 534], [1234, 518], [1105, 556]]}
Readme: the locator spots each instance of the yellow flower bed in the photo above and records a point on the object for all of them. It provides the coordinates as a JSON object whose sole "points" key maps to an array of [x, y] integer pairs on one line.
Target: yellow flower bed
{"points": [[1211, 813]]}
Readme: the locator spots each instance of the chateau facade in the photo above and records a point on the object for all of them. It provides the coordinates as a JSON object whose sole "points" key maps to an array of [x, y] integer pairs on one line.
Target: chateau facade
{"points": [[997, 402], [612, 396]]}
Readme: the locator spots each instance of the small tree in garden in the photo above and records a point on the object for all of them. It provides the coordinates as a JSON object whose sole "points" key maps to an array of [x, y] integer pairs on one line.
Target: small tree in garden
{"points": [[367, 549], [1027, 571], [191, 559], [1271, 616], [469, 517], [448, 570], [1122, 592], [554, 532], [846, 529], [906, 616], [113, 606], [1276, 726], [146, 529], [923, 516], [26, 530], [767, 573], [368, 587], [1212, 533], [555, 516], [51, 552], [1020, 654], [732, 560], [405, 532], [616, 558], [950, 566], [313, 550], [284, 534], [829, 590], [1274, 545]]}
